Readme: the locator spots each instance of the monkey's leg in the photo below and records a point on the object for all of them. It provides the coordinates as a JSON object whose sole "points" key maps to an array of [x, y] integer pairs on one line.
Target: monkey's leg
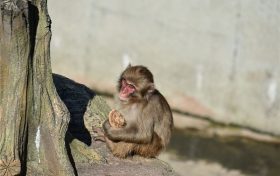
{"points": [[120, 149], [150, 150]]}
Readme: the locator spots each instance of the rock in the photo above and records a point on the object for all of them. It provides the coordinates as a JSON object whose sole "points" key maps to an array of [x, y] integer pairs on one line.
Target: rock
{"points": [[89, 155]]}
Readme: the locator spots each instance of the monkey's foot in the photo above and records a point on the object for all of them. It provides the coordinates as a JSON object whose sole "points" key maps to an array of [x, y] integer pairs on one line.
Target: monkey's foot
{"points": [[116, 119], [9, 167]]}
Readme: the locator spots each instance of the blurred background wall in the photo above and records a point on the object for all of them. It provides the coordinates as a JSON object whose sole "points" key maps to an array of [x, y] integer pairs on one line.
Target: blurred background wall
{"points": [[211, 58]]}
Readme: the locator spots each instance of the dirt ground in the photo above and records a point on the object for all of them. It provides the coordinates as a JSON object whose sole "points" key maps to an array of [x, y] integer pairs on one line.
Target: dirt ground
{"points": [[197, 168]]}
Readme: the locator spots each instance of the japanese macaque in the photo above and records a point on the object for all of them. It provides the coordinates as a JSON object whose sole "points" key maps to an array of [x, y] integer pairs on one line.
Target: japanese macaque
{"points": [[143, 123]]}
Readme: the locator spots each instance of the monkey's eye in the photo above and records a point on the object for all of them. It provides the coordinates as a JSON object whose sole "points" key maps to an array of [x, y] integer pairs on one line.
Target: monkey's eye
{"points": [[131, 86], [128, 83], [123, 81]]}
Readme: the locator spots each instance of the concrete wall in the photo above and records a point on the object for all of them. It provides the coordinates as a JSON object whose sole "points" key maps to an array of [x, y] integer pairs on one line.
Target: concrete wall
{"points": [[214, 58]]}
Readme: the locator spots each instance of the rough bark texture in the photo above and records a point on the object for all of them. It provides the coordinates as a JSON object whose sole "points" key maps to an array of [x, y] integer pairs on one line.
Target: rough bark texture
{"points": [[14, 56], [33, 119]]}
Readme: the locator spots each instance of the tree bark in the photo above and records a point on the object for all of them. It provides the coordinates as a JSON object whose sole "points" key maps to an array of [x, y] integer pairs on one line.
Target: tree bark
{"points": [[33, 119], [14, 56]]}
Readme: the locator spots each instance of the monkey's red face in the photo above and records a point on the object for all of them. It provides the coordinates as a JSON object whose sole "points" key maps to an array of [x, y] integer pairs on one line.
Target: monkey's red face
{"points": [[126, 90]]}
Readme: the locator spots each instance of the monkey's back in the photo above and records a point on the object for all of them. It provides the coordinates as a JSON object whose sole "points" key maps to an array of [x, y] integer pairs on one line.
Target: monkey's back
{"points": [[163, 123]]}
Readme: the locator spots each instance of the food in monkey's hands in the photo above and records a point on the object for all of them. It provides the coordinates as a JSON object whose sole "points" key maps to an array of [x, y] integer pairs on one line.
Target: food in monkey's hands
{"points": [[116, 119]]}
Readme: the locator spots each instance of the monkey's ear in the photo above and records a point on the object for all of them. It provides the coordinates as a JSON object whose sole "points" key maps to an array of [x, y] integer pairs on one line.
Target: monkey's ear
{"points": [[151, 88]]}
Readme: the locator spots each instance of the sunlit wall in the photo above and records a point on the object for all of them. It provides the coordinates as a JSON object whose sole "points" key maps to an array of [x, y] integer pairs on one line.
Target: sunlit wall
{"points": [[213, 58]]}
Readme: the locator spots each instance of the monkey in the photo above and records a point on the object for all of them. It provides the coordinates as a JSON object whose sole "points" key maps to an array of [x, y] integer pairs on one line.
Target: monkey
{"points": [[143, 123]]}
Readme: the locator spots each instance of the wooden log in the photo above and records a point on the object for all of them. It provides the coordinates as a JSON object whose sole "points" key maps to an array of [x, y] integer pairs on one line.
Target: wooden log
{"points": [[33, 119]]}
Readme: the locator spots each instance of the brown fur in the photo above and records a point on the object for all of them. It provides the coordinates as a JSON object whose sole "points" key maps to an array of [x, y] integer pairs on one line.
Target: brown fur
{"points": [[147, 115]]}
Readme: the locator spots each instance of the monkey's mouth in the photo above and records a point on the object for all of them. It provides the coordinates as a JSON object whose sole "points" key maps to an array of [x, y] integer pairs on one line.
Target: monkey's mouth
{"points": [[123, 97], [126, 90]]}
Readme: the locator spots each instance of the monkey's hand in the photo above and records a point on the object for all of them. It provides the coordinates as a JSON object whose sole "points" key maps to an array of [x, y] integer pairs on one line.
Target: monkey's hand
{"points": [[98, 134], [116, 119]]}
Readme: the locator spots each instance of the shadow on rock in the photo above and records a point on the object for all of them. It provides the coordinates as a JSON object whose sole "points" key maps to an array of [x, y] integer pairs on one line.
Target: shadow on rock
{"points": [[76, 97]]}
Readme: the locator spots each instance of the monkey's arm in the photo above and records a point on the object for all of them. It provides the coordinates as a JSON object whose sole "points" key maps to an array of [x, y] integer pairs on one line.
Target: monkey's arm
{"points": [[130, 133]]}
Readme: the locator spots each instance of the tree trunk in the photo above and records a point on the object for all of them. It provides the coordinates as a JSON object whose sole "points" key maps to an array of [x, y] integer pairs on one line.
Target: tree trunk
{"points": [[14, 50], [33, 119]]}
